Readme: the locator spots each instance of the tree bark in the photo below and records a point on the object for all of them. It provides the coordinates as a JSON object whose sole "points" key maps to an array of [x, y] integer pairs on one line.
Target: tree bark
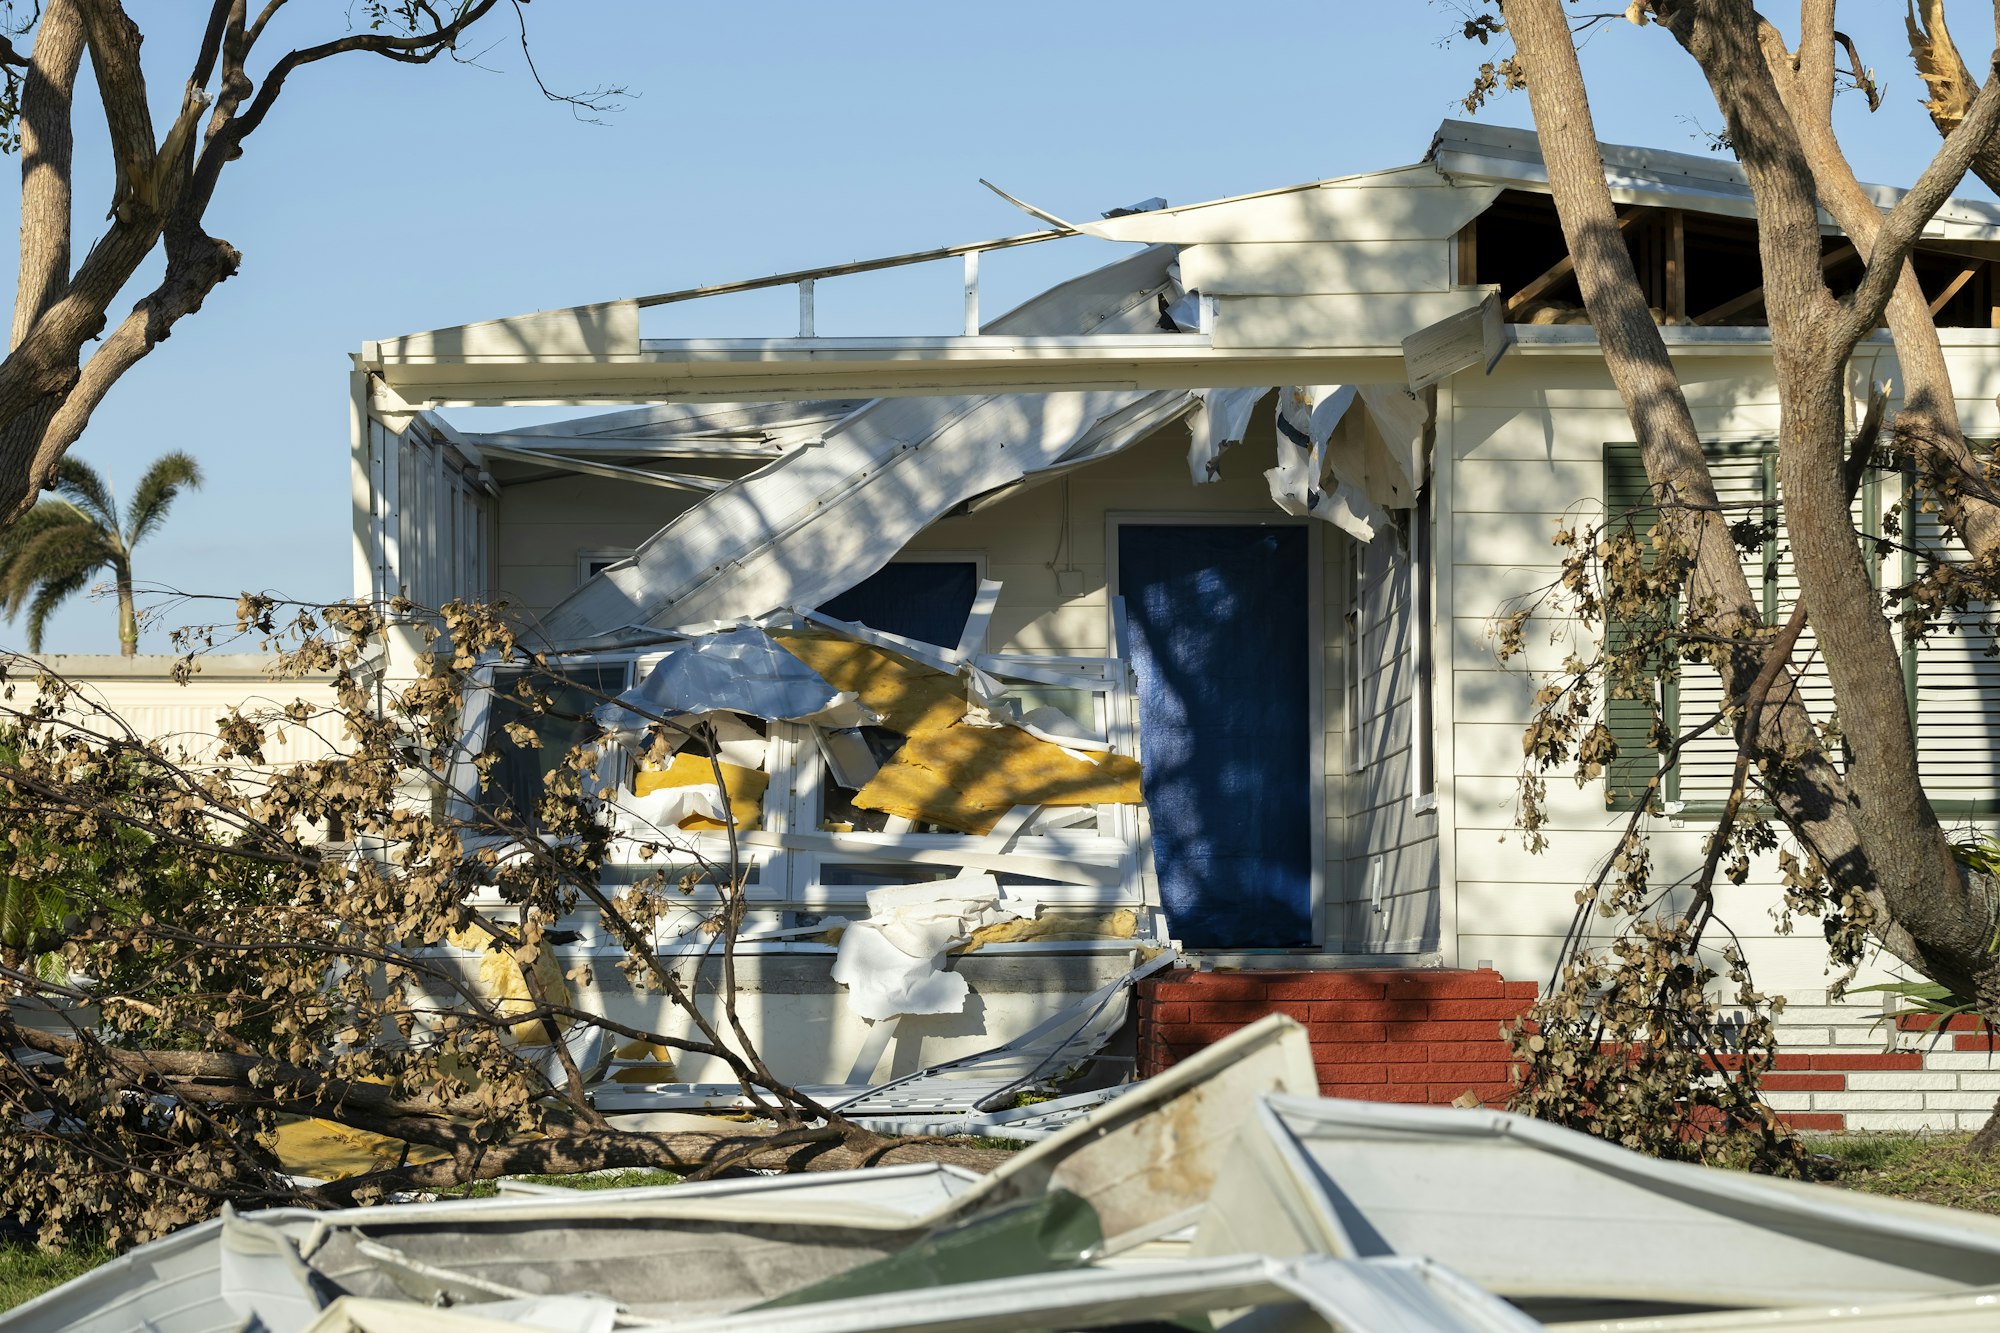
{"points": [[48, 390], [1812, 794], [1902, 857], [1928, 422], [128, 616], [47, 148]]}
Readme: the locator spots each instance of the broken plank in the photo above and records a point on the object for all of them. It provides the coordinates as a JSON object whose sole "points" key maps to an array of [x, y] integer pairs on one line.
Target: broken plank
{"points": [[973, 640], [1965, 275], [925, 654], [1011, 826], [870, 1055], [1755, 296]]}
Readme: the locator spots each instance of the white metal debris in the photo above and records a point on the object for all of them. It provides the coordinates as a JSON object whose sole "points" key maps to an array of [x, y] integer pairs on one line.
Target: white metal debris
{"points": [[1218, 1188]]}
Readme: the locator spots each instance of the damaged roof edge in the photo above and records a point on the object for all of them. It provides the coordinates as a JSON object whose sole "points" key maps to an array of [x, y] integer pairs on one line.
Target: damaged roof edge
{"points": [[1511, 156], [1459, 150]]}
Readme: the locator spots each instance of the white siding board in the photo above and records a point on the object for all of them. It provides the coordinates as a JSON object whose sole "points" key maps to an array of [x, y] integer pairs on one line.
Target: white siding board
{"points": [[1363, 321], [1317, 267], [1546, 643], [1512, 486], [1497, 696], [1494, 586], [1520, 538]]}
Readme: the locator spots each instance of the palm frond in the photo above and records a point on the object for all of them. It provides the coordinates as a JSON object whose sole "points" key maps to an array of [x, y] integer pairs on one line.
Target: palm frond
{"points": [[51, 594], [78, 482], [164, 480], [61, 554], [44, 516]]}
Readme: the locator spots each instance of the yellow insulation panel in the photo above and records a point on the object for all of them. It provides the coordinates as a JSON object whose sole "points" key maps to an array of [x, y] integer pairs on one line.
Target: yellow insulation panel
{"points": [[1050, 926], [655, 1063], [329, 1151], [746, 788], [907, 697], [500, 984], [967, 777]]}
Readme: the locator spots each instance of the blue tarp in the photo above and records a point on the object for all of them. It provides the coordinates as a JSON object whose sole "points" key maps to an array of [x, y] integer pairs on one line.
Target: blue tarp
{"points": [[1218, 616]]}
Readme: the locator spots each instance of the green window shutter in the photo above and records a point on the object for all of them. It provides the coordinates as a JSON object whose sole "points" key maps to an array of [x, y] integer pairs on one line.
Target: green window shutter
{"points": [[1628, 505]]}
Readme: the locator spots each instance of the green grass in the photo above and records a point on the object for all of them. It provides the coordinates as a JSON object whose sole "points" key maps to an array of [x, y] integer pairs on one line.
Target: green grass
{"points": [[1927, 1168], [26, 1272], [594, 1180]]}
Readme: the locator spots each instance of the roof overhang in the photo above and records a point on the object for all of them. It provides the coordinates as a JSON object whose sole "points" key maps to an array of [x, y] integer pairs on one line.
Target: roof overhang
{"points": [[789, 369]]}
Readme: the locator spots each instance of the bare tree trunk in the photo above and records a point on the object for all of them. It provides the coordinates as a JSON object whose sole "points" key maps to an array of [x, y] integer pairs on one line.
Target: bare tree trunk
{"points": [[1872, 828], [1928, 423], [164, 184], [1903, 858], [1812, 795]]}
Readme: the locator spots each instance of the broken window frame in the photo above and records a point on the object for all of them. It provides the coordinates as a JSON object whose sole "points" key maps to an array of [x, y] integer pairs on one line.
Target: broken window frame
{"points": [[1110, 844], [786, 893]]}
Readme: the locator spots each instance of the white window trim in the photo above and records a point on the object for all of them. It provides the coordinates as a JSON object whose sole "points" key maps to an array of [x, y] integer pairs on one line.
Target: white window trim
{"points": [[1423, 661], [599, 555]]}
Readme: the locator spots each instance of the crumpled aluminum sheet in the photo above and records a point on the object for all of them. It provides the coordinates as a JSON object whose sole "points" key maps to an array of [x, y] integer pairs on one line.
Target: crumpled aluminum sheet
{"points": [[740, 670]]}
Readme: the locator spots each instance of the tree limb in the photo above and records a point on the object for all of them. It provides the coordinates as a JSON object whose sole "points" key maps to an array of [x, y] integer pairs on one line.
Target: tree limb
{"points": [[1899, 231], [47, 148]]}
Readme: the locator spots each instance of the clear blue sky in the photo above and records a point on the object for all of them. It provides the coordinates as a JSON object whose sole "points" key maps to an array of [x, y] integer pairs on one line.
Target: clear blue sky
{"points": [[381, 199]]}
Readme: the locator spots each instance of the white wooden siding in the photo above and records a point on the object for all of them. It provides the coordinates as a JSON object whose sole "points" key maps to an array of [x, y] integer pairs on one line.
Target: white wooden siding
{"points": [[1400, 205], [542, 526], [1389, 901], [1293, 268], [142, 693], [1525, 449]]}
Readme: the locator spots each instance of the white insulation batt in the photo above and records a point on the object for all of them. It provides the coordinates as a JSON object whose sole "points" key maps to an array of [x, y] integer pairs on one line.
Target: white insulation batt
{"points": [[893, 961]]}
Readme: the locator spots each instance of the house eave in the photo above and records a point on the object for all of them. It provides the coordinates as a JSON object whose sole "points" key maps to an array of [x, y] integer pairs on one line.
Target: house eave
{"points": [[771, 370]]}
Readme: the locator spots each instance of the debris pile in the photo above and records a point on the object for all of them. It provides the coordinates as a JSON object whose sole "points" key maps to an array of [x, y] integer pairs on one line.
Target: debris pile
{"points": [[1218, 1195]]}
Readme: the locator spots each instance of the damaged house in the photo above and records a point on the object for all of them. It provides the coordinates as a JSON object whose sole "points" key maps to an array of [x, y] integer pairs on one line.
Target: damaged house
{"points": [[1156, 612]]}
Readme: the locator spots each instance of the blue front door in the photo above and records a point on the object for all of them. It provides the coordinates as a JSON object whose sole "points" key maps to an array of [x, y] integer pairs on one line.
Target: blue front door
{"points": [[1222, 649]]}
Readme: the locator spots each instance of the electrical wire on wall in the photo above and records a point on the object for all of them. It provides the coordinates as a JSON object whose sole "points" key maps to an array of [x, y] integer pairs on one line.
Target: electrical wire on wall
{"points": [[1069, 578]]}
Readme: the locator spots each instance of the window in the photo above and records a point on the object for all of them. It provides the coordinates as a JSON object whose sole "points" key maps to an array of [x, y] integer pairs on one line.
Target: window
{"points": [[1953, 683], [590, 563], [1077, 858], [513, 786], [926, 600]]}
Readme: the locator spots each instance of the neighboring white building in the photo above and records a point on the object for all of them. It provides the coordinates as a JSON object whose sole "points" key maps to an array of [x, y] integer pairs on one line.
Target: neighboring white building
{"points": [[145, 694], [1327, 732]]}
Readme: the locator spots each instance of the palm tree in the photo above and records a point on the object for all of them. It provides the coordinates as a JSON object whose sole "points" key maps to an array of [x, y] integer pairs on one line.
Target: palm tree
{"points": [[57, 546]]}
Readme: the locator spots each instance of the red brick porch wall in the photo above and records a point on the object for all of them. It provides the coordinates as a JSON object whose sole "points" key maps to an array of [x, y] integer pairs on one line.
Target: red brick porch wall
{"points": [[1385, 1036]]}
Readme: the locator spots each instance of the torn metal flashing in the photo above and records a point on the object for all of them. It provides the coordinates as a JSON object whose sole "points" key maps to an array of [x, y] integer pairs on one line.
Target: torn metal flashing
{"points": [[818, 520]]}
